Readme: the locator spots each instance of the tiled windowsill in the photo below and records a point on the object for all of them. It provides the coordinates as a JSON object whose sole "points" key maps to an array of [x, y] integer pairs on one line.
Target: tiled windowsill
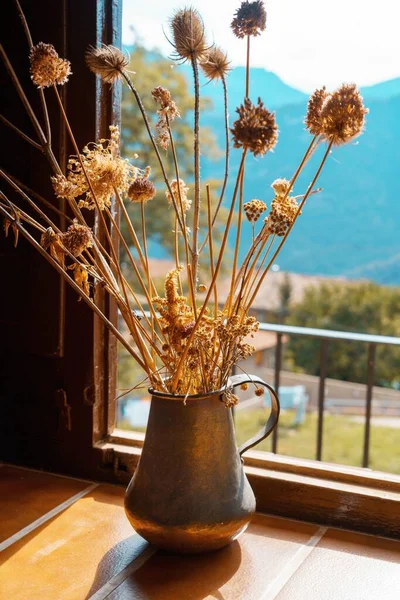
{"points": [[67, 539]]}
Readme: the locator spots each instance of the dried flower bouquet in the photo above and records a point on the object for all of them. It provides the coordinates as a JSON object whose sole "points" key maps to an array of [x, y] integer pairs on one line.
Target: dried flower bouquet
{"points": [[185, 342]]}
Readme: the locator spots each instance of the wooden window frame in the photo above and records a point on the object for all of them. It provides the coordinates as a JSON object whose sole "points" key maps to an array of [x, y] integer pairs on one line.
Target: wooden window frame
{"points": [[91, 447]]}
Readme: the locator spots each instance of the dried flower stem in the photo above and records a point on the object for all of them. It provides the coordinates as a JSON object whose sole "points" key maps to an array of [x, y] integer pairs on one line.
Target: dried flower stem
{"points": [[213, 281], [155, 148], [196, 147], [211, 249], [227, 153], [72, 283], [44, 143], [146, 258], [248, 67], [21, 133], [271, 262], [237, 244], [177, 175], [176, 254], [40, 90]]}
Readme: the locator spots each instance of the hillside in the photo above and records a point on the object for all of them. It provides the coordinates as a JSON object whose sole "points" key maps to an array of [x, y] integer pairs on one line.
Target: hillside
{"points": [[351, 228]]}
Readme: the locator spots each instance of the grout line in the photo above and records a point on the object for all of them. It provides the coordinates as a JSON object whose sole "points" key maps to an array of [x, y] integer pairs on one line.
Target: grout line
{"points": [[120, 577], [293, 565], [46, 517]]}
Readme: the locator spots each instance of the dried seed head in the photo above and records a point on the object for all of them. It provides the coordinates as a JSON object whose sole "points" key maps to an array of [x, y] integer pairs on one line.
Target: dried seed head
{"points": [[77, 238], [107, 62], [188, 35], [202, 287], [343, 114], [141, 190], [47, 68], [313, 116], [259, 391], [250, 19], [255, 129], [230, 399], [282, 215], [215, 64], [166, 114], [244, 386], [179, 192], [106, 171], [254, 209], [280, 186]]}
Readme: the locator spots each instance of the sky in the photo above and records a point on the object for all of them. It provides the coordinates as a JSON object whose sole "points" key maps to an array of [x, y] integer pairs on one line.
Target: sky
{"points": [[308, 43]]}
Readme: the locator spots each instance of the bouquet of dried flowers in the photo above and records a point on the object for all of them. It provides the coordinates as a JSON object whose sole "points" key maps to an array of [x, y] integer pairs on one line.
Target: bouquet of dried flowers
{"points": [[182, 338]]}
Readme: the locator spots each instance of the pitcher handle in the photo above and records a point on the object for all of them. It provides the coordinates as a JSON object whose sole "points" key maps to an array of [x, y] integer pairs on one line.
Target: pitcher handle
{"points": [[236, 380]]}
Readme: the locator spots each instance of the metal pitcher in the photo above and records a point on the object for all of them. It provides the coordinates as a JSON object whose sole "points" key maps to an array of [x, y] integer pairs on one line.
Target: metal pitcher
{"points": [[189, 493]]}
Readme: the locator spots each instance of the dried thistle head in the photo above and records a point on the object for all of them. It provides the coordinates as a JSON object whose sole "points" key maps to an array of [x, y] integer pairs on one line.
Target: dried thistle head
{"points": [[255, 129], [343, 115], [254, 210], [166, 114], [188, 35], [47, 68], [250, 19], [179, 191], [108, 62], [215, 64], [280, 186], [141, 190], [77, 238], [313, 117]]}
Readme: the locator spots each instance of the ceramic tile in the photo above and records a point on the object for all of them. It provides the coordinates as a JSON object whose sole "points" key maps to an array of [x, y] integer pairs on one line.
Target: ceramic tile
{"points": [[239, 572], [27, 495], [74, 554], [347, 566]]}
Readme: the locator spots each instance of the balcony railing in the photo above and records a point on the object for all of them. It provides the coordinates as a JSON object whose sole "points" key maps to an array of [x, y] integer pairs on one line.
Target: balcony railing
{"points": [[325, 336]]}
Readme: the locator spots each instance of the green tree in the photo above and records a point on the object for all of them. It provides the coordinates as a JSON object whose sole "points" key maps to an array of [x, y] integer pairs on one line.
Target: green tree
{"points": [[353, 307]]}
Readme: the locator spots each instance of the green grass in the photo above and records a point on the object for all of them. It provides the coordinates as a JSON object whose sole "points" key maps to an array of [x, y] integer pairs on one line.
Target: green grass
{"points": [[343, 439]]}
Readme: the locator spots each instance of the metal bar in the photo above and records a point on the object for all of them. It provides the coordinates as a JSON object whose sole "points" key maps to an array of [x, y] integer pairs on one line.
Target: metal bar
{"points": [[321, 396], [370, 384], [278, 366], [331, 334]]}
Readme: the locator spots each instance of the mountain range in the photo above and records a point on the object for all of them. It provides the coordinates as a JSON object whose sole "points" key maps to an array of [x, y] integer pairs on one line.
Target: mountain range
{"points": [[349, 229]]}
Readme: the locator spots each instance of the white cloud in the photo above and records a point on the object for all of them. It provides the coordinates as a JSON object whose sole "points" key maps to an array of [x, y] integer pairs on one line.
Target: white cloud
{"points": [[307, 42]]}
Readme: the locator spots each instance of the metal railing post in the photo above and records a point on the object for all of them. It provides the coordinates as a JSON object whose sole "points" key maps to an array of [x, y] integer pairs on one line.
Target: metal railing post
{"points": [[278, 366], [321, 396], [368, 407]]}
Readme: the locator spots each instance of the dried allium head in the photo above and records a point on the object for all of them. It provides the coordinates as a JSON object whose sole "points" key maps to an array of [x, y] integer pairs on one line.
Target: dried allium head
{"points": [[343, 114], [108, 62], [250, 19], [215, 64], [106, 170], [141, 190], [47, 68], [230, 399], [280, 186], [188, 35], [255, 129], [254, 210], [166, 114], [314, 107], [77, 238], [282, 216], [180, 194]]}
